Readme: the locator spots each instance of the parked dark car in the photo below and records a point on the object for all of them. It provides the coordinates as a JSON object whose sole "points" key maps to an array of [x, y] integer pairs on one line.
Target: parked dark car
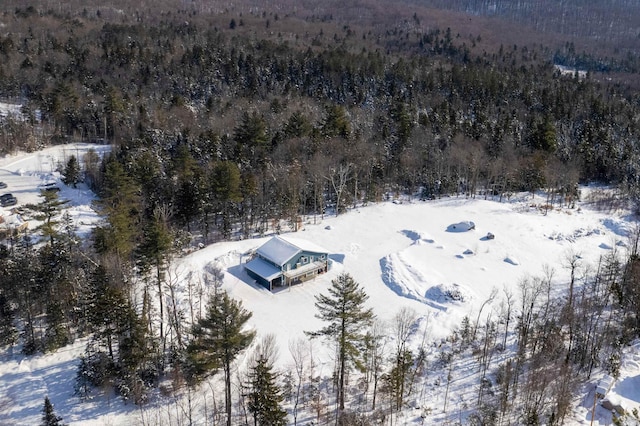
{"points": [[49, 187], [3, 185], [8, 201]]}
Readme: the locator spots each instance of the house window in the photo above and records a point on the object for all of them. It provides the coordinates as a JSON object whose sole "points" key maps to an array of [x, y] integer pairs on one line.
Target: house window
{"points": [[303, 260], [322, 257]]}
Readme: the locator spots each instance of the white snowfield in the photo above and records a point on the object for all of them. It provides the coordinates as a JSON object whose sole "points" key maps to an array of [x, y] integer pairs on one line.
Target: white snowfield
{"points": [[403, 255], [26, 173]]}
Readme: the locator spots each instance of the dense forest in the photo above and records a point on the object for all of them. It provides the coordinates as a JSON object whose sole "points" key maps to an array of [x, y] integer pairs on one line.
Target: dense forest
{"points": [[232, 121]]}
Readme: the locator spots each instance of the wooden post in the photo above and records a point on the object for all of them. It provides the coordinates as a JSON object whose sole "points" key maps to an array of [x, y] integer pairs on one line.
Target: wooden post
{"points": [[593, 409]]}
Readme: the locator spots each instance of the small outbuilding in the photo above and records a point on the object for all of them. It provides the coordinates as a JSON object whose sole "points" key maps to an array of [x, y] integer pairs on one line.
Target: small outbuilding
{"points": [[284, 261]]}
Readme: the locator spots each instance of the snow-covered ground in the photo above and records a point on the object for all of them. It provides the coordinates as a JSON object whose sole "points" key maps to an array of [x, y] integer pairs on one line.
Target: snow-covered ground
{"points": [[10, 110], [24, 174], [403, 254]]}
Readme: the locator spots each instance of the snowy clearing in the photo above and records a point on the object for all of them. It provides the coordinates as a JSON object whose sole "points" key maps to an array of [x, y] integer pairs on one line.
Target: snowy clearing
{"points": [[404, 255]]}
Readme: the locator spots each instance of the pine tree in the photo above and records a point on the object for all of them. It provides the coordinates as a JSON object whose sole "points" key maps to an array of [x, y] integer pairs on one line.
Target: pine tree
{"points": [[344, 310], [265, 396], [225, 191], [219, 338], [120, 202], [49, 417], [251, 139], [8, 331], [108, 310], [48, 212], [154, 253], [72, 172]]}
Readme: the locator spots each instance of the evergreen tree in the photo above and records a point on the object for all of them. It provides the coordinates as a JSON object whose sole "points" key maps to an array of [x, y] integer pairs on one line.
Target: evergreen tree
{"points": [[72, 172], [54, 272], [49, 417], [335, 123], [154, 253], [56, 334], [344, 310], [219, 338], [48, 212], [190, 184], [225, 182], [8, 331], [265, 396], [107, 310], [120, 202], [251, 139]]}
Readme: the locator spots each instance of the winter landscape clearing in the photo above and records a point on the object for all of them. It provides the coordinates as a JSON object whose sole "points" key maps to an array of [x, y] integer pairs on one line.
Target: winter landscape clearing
{"points": [[403, 254]]}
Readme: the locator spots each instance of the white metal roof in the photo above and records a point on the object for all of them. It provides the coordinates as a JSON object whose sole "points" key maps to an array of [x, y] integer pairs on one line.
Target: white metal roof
{"points": [[263, 269], [281, 249], [278, 251]]}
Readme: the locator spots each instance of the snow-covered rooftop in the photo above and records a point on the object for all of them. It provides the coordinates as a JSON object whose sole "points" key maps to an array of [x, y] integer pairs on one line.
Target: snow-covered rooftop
{"points": [[280, 249]]}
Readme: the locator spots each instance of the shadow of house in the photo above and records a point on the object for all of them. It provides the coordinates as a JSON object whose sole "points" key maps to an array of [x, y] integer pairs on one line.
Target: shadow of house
{"points": [[286, 261]]}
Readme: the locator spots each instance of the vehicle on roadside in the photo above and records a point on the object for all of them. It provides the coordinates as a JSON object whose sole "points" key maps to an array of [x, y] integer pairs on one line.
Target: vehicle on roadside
{"points": [[7, 200], [51, 186]]}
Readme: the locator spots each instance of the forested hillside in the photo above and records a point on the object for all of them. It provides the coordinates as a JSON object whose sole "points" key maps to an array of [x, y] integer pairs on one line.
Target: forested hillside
{"points": [[232, 120]]}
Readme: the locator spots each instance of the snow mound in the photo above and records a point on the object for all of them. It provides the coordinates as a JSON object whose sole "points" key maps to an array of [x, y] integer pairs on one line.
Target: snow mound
{"points": [[512, 260], [575, 235], [617, 226], [444, 293], [605, 246], [468, 252], [399, 275], [463, 226], [228, 259]]}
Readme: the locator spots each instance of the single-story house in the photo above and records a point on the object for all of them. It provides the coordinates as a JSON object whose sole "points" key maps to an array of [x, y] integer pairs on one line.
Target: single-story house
{"points": [[286, 261]]}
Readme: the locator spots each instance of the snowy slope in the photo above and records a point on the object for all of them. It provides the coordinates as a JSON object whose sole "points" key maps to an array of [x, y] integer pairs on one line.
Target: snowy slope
{"points": [[402, 254]]}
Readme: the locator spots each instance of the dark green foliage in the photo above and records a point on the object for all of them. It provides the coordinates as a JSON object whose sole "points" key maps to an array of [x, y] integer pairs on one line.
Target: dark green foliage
{"points": [[346, 317], [56, 333], [48, 211], [335, 122], [298, 125], [8, 331], [120, 354], [120, 201], [397, 377], [630, 293], [202, 126], [49, 417], [265, 396], [72, 172], [95, 370], [218, 338], [156, 242], [107, 309], [251, 139], [225, 186]]}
